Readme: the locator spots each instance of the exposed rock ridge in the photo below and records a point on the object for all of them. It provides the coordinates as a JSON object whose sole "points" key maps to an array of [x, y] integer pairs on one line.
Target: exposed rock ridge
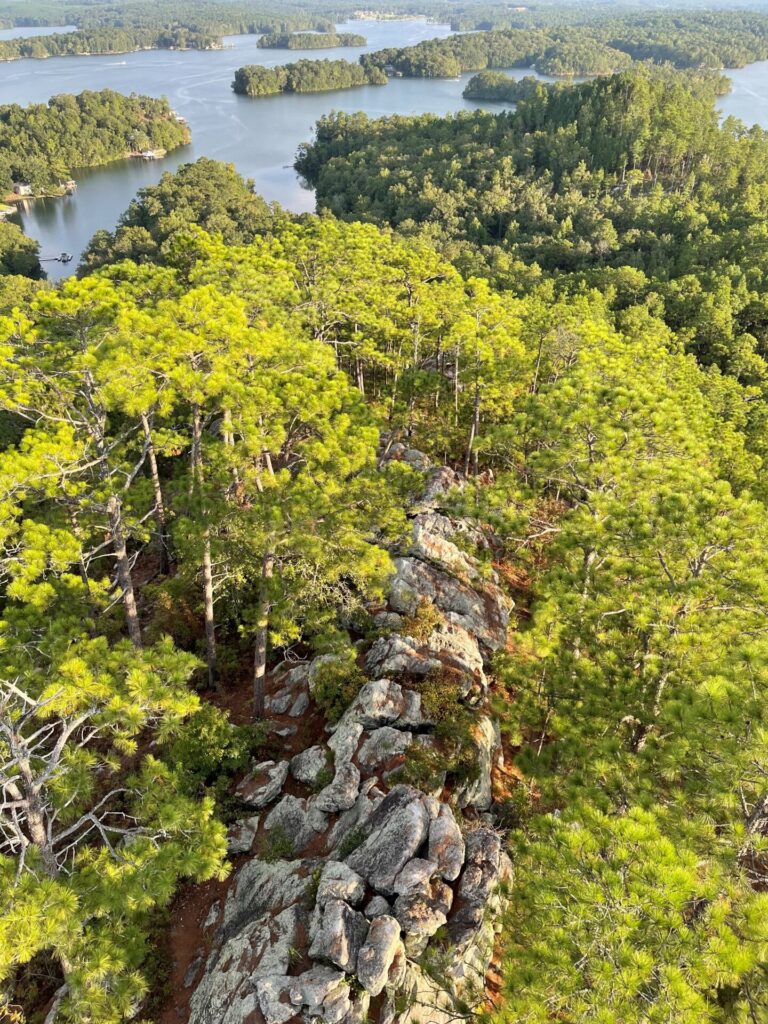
{"points": [[386, 881]]}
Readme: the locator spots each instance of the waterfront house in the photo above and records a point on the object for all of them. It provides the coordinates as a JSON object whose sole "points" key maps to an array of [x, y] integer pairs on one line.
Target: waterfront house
{"points": [[21, 189]]}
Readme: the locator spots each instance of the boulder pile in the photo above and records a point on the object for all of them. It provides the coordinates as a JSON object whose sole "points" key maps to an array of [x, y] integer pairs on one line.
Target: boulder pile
{"points": [[371, 898]]}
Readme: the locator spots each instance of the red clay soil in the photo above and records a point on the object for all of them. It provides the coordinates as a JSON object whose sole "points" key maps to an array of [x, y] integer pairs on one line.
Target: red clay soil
{"points": [[187, 938]]}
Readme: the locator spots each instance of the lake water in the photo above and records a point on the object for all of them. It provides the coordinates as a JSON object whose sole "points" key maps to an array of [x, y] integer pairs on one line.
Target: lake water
{"points": [[27, 32], [748, 98], [260, 136]]}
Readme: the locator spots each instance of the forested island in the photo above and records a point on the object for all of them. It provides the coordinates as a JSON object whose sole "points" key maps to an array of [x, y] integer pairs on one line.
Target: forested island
{"points": [[41, 144], [304, 76], [106, 41], [384, 592], [310, 40], [496, 86]]}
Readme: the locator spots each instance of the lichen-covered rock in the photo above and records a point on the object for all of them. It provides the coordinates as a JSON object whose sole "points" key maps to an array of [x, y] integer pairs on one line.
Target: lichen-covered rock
{"points": [[341, 793], [377, 907], [297, 820], [311, 988], [482, 609], [264, 784], [433, 541], [263, 919], [308, 764], [415, 876], [337, 1006], [400, 655], [446, 845], [396, 830], [355, 819], [421, 912], [346, 738], [381, 746], [339, 882], [382, 947], [337, 933], [384, 702], [241, 835], [273, 994], [440, 483], [480, 877]]}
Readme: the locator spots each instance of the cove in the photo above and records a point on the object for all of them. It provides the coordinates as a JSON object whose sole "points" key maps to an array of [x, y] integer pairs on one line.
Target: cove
{"points": [[259, 136]]}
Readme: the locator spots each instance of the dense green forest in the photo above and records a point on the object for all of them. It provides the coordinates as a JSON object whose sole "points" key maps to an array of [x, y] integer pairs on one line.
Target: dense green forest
{"points": [[304, 76], [18, 254], [627, 493], [310, 40], [630, 183], [107, 40], [602, 45], [557, 317], [42, 143]]}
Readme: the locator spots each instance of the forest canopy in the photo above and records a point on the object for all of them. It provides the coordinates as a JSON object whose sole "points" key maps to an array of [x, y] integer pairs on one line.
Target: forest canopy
{"points": [[310, 40], [304, 76]]}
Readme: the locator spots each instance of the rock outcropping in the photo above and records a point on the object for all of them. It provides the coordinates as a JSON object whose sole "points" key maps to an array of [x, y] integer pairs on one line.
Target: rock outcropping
{"points": [[385, 879]]}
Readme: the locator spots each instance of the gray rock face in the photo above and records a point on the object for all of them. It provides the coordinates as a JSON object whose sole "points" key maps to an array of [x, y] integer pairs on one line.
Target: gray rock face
{"points": [[307, 765], [415, 876], [382, 947], [273, 994], [381, 746], [297, 820], [300, 705], [483, 609], [396, 830], [399, 655], [346, 738], [479, 792], [433, 541], [263, 785], [376, 907], [421, 912], [340, 794], [337, 934], [383, 702], [263, 919], [339, 882], [446, 845], [313, 987], [440, 483], [241, 835], [480, 877]]}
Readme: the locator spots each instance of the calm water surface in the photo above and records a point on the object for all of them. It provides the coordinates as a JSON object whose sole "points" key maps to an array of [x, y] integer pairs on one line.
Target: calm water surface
{"points": [[260, 136], [748, 98]]}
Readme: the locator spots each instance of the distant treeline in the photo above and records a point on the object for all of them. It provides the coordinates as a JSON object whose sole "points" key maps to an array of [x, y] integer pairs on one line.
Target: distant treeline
{"points": [[41, 143], [107, 40], [309, 40], [700, 39], [304, 76]]}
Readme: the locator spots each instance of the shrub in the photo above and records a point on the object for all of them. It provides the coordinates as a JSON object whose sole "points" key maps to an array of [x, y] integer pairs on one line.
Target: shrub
{"points": [[207, 746], [424, 621], [337, 681]]}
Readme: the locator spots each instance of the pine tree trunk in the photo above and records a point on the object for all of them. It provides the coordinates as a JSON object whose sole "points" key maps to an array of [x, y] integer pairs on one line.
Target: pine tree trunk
{"points": [[124, 570], [210, 621], [160, 518], [473, 433], [262, 628], [207, 566]]}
